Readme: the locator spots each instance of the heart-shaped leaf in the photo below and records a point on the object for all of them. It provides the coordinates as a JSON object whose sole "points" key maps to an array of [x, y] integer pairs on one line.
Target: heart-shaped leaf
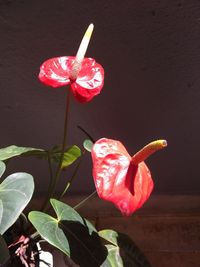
{"points": [[69, 232], [4, 252], [113, 259], [48, 228], [70, 155], [2, 168], [15, 193], [122, 251], [13, 151]]}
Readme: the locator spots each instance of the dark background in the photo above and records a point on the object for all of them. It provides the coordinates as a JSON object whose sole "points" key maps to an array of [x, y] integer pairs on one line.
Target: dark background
{"points": [[150, 51]]}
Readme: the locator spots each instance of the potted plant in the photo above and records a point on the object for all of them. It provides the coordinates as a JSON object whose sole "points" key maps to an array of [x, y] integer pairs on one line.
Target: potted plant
{"points": [[119, 178]]}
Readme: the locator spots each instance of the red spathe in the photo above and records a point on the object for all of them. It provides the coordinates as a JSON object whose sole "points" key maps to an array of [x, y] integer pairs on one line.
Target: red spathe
{"points": [[55, 72], [118, 180]]}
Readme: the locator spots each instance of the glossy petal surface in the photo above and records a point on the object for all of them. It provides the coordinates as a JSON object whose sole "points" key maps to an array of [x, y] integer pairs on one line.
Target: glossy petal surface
{"points": [[55, 72], [117, 179]]}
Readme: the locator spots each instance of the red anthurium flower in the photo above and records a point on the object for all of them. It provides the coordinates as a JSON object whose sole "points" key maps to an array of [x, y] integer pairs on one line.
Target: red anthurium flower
{"points": [[85, 75], [56, 73], [124, 180]]}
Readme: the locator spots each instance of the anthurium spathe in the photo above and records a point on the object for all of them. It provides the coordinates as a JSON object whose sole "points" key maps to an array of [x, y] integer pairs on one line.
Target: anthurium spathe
{"points": [[84, 75], [119, 178]]}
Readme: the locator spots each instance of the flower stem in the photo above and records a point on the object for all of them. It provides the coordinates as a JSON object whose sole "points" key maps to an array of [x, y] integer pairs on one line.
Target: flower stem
{"points": [[79, 205], [64, 143], [50, 182], [86, 133], [72, 177]]}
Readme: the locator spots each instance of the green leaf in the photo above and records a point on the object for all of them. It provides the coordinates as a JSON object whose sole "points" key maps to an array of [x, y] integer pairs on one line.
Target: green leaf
{"points": [[13, 151], [48, 228], [109, 235], [2, 168], [15, 193], [69, 232], [1, 210], [43, 154], [88, 144], [113, 259], [70, 155], [4, 252], [122, 251]]}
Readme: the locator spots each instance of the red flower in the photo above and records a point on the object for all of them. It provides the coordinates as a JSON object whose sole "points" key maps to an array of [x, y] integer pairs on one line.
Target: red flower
{"points": [[85, 75], [120, 178], [56, 72]]}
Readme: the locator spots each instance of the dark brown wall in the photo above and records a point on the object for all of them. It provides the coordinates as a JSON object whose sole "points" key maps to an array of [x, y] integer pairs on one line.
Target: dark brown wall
{"points": [[151, 54]]}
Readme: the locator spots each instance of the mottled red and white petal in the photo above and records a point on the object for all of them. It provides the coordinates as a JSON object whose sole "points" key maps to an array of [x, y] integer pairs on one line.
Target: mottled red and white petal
{"points": [[55, 71], [89, 82]]}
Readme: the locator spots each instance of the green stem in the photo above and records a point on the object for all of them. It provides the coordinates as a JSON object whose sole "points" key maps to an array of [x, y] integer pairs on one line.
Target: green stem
{"points": [[73, 177], [50, 171], [59, 168], [35, 235], [50, 183], [79, 205], [86, 133]]}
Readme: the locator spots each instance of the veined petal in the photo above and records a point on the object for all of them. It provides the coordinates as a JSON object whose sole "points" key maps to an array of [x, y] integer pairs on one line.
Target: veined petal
{"points": [[89, 82], [117, 180], [55, 71]]}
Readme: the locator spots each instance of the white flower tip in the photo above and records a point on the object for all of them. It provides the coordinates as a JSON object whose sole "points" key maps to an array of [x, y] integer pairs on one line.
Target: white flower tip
{"points": [[81, 52], [89, 31], [84, 43]]}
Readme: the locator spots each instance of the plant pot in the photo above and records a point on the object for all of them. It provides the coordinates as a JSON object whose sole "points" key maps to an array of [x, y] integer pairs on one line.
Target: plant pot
{"points": [[33, 257], [45, 257]]}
